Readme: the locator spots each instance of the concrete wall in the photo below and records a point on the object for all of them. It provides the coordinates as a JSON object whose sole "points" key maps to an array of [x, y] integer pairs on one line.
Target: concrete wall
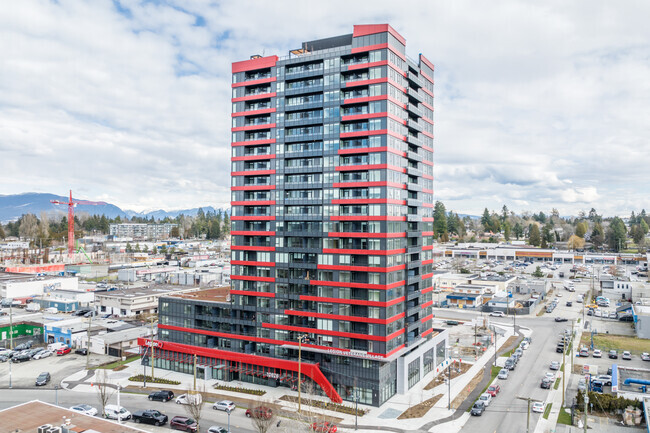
{"points": [[642, 326], [404, 361]]}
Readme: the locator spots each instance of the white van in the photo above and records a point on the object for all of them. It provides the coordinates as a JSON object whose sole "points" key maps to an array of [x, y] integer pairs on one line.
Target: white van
{"points": [[113, 411], [56, 346]]}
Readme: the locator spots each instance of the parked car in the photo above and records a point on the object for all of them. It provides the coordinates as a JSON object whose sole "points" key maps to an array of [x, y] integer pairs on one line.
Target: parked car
{"points": [[478, 409], [497, 314], [546, 383], [324, 427], [24, 346], [555, 365], [493, 390], [560, 348], [187, 398], [569, 303], [612, 354], [525, 345], [20, 357], [261, 412], [225, 405], [584, 353], [626, 356], [561, 319], [161, 396], [538, 407], [503, 374], [597, 353], [217, 429], [550, 375], [183, 423], [112, 411], [43, 379], [605, 378], [150, 417], [81, 351], [645, 356], [485, 398], [597, 386], [86, 409], [63, 351], [43, 354]]}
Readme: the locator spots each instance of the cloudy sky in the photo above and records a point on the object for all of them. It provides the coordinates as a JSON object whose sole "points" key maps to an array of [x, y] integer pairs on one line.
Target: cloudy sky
{"points": [[539, 105]]}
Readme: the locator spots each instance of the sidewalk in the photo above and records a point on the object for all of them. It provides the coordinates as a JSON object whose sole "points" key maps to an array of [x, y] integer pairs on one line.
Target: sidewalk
{"points": [[377, 419]]}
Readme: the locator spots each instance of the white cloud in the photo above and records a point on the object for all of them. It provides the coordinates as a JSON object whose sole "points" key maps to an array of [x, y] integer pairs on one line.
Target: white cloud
{"points": [[537, 105]]}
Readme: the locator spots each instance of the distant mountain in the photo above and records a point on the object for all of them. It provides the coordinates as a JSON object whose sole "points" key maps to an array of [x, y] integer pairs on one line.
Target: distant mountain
{"points": [[14, 206]]}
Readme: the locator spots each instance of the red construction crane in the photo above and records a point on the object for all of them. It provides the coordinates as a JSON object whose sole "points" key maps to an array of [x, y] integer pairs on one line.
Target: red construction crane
{"points": [[71, 204]]}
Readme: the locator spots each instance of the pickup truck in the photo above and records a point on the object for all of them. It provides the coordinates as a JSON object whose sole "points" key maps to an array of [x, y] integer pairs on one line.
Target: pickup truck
{"points": [[149, 417]]}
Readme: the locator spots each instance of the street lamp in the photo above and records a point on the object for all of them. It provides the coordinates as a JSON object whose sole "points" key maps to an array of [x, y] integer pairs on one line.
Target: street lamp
{"points": [[228, 412]]}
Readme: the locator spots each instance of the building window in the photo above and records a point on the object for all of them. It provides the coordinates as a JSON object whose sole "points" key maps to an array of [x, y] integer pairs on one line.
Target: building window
{"points": [[414, 372]]}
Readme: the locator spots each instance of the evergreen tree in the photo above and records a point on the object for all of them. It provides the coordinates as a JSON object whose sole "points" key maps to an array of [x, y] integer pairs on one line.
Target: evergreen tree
{"points": [[644, 226], [439, 220], [581, 229], [534, 237], [486, 220], [2, 232], [616, 234], [226, 224], [506, 230], [598, 235], [518, 230]]}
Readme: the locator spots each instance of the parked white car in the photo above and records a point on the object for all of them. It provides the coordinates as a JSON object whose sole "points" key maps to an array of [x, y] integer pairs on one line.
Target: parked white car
{"points": [[112, 411], [485, 398], [538, 407], [43, 354], [503, 374], [86, 409], [497, 314], [187, 398]]}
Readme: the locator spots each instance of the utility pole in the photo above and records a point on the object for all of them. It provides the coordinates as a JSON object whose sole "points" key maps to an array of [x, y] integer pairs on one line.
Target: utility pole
{"points": [[300, 341], [11, 325], [495, 346], [449, 385], [153, 350], [586, 402], [564, 366], [528, 399], [90, 324]]}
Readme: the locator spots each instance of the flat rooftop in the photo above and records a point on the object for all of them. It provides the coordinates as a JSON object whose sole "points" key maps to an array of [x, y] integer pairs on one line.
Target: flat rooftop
{"points": [[27, 417], [153, 290], [13, 277], [217, 294]]}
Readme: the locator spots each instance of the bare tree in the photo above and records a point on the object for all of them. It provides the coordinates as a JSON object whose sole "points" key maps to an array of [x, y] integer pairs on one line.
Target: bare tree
{"points": [[28, 226], [262, 416], [194, 405], [104, 392]]}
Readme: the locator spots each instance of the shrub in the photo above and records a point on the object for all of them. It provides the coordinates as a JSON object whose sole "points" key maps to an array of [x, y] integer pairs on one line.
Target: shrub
{"points": [[239, 389], [140, 378]]}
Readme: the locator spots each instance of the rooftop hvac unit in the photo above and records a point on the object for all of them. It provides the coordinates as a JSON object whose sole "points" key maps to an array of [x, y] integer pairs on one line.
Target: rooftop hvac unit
{"points": [[55, 430], [44, 428]]}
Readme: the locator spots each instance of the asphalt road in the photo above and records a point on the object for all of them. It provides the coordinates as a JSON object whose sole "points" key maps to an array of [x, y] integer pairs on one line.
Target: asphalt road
{"points": [[132, 402]]}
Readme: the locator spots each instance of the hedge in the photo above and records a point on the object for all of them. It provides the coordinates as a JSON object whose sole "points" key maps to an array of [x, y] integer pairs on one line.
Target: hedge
{"points": [[606, 402], [140, 378], [239, 389]]}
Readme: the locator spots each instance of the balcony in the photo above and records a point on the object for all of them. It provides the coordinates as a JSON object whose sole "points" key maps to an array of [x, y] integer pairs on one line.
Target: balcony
{"points": [[412, 139], [414, 125], [415, 94], [416, 79], [413, 108]]}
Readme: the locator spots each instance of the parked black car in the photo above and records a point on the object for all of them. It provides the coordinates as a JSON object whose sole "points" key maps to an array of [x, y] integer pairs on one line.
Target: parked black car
{"points": [[546, 383], [161, 396], [21, 357], [81, 351], [612, 354], [43, 379], [149, 417], [478, 408]]}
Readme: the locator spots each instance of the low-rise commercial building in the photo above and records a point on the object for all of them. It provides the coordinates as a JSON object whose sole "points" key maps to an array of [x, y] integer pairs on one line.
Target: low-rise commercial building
{"points": [[120, 343], [134, 301], [15, 285], [142, 231]]}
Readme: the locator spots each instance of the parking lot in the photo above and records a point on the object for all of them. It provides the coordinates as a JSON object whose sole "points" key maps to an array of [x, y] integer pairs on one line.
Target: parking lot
{"points": [[23, 374]]}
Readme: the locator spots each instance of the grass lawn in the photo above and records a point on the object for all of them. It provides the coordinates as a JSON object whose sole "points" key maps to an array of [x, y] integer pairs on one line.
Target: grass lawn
{"points": [[617, 342], [564, 417], [562, 367], [557, 383], [547, 410], [115, 364]]}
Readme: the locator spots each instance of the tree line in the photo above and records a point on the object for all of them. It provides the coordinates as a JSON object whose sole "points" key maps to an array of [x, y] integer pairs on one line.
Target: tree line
{"points": [[49, 228], [542, 230]]}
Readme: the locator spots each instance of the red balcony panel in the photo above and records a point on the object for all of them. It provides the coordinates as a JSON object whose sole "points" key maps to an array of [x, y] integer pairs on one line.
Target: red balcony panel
{"points": [[362, 99], [251, 233], [427, 318], [429, 163], [371, 150], [367, 65], [426, 290], [367, 252], [427, 204], [252, 187], [430, 149], [426, 176], [250, 263], [253, 142], [427, 191], [395, 334], [427, 304], [427, 105], [253, 112], [427, 332], [253, 157], [427, 77], [427, 262], [255, 82], [395, 350], [246, 248], [253, 218], [426, 119], [425, 276], [427, 91], [253, 127], [427, 247], [254, 97], [427, 134], [356, 83]]}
